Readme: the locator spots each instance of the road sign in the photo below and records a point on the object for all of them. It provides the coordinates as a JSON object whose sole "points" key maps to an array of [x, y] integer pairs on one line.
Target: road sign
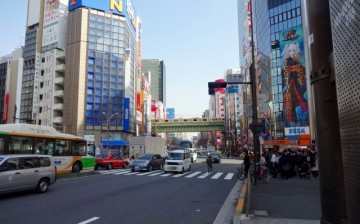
{"points": [[257, 127]]}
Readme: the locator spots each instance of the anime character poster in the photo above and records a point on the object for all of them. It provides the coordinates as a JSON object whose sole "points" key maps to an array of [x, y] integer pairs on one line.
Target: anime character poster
{"points": [[295, 95]]}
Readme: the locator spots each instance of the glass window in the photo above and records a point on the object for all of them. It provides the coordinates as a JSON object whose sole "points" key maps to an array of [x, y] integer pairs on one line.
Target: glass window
{"points": [[289, 15], [298, 12], [293, 13], [113, 86], [90, 98], [106, 70], [107, 28], [100, 33], [91, 68], [92, 24], [107, 48], [115, 22], [90, 91], [92, 17], [98, 69], [90, 83], [298, 20], [98, 61], [106, 85], [112, 92], [107, 34], [105, 91], [92, 46], [92, 39], [11, 164], [98, 76], [98, 84], [91, 61], [107, 21], [90, 75], [20, 145], [62, 147], [98, 91], [115, 29], [100, 19], [99, 54], [99, 47], [280, 18], [98, 99]]}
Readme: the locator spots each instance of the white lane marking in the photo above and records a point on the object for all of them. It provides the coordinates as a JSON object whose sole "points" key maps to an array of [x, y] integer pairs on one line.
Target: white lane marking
{"points": [[110, 171], [147, 173], [166, 175], [155, 174], [179, 175], [229, 176], [132, 173], [204, 175], [89, 220], [216, 176], [125, 172], [193, 174]]}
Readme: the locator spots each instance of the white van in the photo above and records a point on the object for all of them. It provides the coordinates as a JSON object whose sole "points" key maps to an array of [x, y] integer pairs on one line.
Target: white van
{"points": [[178, 161], [24, 172]]}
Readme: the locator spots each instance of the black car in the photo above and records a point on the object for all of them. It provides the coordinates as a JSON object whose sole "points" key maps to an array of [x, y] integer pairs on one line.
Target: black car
{"points": [[147, 162], [216, 158]]}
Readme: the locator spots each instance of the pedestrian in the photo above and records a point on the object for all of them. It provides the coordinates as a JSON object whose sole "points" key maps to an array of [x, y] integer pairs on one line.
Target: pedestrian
{"points": [[246, 162], [209, 163]]}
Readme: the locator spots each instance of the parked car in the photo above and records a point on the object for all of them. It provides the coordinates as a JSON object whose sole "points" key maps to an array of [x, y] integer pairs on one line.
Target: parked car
{"points": [[110, 161], [216, 158], [26, 172], [147, 162]]}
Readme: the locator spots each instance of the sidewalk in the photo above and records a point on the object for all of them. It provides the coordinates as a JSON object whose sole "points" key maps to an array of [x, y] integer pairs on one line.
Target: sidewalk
{"points": [[293, 201]]}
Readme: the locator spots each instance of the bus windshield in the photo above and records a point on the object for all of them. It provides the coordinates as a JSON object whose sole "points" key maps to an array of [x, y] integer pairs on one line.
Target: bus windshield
{"points": [[185, 144]]}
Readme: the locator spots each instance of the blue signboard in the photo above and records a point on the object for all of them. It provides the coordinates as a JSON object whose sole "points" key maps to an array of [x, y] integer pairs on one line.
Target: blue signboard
{"points": [[170, 113], [119, 7], [126, 114]]}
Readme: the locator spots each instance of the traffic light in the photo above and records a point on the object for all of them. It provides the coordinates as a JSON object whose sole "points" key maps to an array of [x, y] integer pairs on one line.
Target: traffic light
{"points": [[214, 85]]}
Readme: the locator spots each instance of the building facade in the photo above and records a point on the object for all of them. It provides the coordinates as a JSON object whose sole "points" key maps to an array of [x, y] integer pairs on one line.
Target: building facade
{"points": [[158, 78]]}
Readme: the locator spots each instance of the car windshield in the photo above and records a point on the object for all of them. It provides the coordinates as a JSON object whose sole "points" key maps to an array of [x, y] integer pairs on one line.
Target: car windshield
{"points": [[214, 154], [145, 156], [175, 156]]}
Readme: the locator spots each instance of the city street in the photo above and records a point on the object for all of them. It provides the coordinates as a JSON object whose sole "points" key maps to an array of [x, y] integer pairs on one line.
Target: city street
{"points": [[120, 196]]}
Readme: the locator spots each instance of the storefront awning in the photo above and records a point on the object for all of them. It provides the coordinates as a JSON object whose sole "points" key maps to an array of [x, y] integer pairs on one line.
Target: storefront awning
{"points": [[114, 143]]}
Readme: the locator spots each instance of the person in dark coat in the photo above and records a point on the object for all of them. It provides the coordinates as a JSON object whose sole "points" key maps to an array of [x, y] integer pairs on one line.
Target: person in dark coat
{"points": [[246, 162], [209, 163]]}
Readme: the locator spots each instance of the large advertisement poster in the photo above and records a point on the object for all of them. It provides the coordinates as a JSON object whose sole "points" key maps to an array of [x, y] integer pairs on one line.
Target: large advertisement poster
{"points": [[295, 95]]}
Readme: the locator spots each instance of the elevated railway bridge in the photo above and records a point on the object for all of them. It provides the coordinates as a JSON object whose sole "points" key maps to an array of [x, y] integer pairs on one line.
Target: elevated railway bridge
{"points": [[187, 125]]}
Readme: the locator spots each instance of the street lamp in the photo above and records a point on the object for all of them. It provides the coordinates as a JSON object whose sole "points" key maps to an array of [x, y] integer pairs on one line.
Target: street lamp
{"points": [[108, 126]]}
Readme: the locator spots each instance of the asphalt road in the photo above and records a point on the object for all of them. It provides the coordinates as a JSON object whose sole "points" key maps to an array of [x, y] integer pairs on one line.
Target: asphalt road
{"points": [[119, 196]]}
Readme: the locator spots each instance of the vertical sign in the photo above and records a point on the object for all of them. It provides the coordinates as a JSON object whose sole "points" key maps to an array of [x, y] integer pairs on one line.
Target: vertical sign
{"points": [[126, 114], [295, 98]]}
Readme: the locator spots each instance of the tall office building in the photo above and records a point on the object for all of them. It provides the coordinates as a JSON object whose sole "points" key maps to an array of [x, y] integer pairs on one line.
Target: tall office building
{"points": [[158, 78], [100, 71]]}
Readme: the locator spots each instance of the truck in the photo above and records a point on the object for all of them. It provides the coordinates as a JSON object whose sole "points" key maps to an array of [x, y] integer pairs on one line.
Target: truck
{"points": [[140, 145]]}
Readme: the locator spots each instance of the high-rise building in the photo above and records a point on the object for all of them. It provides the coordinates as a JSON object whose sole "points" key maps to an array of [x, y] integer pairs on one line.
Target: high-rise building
{"points": [[158, 78], [100, 71]]}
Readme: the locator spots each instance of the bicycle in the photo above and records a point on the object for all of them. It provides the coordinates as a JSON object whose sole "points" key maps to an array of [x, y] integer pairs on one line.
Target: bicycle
{"points": [[241, 173], [261, 173]]}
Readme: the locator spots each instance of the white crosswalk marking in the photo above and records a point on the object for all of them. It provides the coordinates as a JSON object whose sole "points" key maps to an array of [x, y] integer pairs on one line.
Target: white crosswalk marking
{"points": [[229, 176], [128, 171], [216, 176], [155, 174], [193, 174], [204, 175], [197, 174], [147, 173], [166, 174], [179, 175]]}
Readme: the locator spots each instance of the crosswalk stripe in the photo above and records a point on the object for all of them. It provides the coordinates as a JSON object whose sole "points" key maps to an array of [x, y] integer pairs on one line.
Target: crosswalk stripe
{"points": [[155, 174], [125, 172], [179, 175], [147, 173], [110, 171], [229, 176], [193, 174], [216, 176], [131, 173], [166, 174], [204, 175]]}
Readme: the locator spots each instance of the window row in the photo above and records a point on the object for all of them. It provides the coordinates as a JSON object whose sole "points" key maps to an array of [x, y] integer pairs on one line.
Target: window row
{"points": [[103, 107], [105, 77], [100, 84], [102, 62], [106, 20], [106, 48], [106, 40], [280, 6], [98, 122], [105, 55], [106, 70], [106, 34], [285, 16], [106, 27], [284, 25], [106, 92]]}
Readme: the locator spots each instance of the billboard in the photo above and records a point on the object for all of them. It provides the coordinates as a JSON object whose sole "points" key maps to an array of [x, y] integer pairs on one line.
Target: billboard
{"points": [[170, 113], [126, 114], [120, 7], [295, 95]]}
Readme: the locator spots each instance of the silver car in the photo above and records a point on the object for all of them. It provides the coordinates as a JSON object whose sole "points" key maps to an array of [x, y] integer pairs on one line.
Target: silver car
{"points": [[26, 172]]}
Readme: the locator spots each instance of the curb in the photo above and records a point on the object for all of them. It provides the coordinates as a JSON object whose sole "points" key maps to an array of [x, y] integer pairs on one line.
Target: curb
{"points": [[76, 175], [241, 203]]}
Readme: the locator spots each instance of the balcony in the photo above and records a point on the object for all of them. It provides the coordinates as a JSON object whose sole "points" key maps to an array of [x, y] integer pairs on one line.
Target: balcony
{"points": [[57, 120], [59, 80], [60, 68], [59, 93], [60, 55], [58, 106]]}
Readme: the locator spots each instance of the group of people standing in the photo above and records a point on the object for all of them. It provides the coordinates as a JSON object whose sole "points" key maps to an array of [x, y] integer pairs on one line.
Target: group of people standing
{"points": [[286, 163]]}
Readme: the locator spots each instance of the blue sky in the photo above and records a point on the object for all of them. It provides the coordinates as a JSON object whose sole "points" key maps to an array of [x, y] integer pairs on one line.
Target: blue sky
{"points": [[197, 39]]}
